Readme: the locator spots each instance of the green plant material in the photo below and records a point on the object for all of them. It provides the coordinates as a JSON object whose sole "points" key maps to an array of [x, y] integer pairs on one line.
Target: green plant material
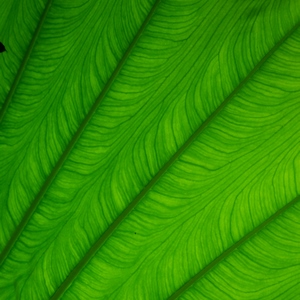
{"points": [[150, 149]]}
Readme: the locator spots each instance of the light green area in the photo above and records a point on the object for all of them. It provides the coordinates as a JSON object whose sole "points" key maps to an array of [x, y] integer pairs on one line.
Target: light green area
{"points": [[192, 144]]}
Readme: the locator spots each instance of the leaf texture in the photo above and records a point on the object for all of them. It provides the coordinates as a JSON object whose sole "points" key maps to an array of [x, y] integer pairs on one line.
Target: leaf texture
{"points": [[24, 15], [268, 259], [143, 140]]}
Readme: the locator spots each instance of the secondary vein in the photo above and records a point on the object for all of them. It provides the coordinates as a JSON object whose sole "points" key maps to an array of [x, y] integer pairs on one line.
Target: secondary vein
{"points": [[101, 241], [25, 61], [227, 252]]}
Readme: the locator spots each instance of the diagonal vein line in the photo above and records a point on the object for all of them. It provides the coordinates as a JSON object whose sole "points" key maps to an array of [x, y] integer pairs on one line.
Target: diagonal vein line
{"points": [[230, 250], [25, 61], [101, 241], [74, 140]]}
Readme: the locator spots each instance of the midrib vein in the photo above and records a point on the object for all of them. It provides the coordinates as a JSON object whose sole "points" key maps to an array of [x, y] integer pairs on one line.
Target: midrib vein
{"points": [[100, 242], [75, 138], [230, 250], [25, 61]]}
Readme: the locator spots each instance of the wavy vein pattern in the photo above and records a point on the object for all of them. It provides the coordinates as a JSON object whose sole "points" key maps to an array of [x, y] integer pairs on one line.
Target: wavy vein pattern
{"points": [[241, 170], [55, 93], [192, 55], [267, 267], [23, 14]]}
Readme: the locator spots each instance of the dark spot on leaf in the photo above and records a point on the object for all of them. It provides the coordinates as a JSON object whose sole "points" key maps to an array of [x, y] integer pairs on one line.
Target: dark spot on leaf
{"points": [[2, 48], [135, 233]]}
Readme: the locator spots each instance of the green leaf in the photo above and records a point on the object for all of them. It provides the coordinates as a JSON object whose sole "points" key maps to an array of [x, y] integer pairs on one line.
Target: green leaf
{"points": [[150, 149]]}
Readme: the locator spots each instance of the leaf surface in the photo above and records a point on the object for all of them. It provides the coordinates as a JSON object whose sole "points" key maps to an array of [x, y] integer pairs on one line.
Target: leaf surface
{"points": [[150, 150]]}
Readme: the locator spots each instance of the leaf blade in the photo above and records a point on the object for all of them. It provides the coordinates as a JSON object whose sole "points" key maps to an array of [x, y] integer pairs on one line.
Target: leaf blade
{"points": [[24, 61], [270, 151], [230, 250], [258, 281], [78, 168], [19, 134], [154, 180], [74, 140], [15, 40]]}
